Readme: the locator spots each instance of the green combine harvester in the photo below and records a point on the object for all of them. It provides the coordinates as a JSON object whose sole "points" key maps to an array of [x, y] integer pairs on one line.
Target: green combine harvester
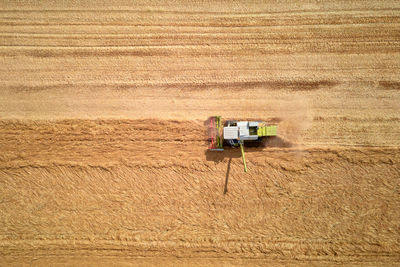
{"points": [[236, 133]]}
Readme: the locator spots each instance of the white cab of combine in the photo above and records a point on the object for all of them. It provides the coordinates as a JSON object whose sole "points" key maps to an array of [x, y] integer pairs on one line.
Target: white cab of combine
{"points": [[231, 132], [241, 131]]}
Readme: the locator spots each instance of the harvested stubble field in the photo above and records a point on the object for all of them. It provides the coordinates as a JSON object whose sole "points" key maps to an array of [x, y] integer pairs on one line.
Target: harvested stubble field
{"points": [[103, 144]]}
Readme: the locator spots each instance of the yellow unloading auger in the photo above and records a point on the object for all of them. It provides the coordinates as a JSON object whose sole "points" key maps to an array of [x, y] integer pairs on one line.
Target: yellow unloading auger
{"points": [[244, 160], [237, 133]]}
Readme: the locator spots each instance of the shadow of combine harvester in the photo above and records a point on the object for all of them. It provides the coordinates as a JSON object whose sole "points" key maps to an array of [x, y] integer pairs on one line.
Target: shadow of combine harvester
{"points": [[224, 140]]}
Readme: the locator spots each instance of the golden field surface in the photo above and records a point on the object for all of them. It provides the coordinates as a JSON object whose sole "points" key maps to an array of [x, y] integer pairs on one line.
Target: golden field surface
{"points": [[103, 132]]}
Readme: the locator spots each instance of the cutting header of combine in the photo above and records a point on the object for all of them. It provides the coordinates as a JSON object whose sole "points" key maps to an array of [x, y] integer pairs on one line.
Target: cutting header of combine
{"points": [[236, 133]]}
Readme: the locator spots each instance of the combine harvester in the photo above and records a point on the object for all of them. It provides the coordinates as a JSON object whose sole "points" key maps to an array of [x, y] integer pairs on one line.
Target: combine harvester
{"points": [[235, 133]]}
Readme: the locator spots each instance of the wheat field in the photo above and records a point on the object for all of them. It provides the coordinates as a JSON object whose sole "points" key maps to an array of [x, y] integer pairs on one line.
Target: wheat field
{"points": [[103, 142]]}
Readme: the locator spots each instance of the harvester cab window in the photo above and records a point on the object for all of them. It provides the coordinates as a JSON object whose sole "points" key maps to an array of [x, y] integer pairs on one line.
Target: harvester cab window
{"points": [[231, 123], [253, 130]]}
